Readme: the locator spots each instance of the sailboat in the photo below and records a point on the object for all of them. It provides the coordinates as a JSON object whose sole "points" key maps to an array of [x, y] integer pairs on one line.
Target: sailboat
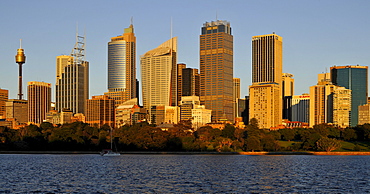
{"points": [[109, 152]]}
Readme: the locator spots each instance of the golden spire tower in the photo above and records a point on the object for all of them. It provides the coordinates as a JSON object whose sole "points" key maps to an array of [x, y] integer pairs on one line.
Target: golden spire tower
{"points": [[20, 58]]}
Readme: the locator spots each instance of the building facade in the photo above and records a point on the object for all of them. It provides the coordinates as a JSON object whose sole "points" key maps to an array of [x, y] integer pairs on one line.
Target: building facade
{"points": [[190, 82], [355, 78], [216, 69], [122, 66], [4, 96], [158, 67], [100, 111], [72, 84], [39, 101], [363, 114], [265, 104], [288, 93], [17, 110], [342, 107], [266, 90], [301, 108], [186, 105]]}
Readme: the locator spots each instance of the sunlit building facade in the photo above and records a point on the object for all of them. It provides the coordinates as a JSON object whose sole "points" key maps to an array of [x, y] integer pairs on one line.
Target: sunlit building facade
{"points": [[72, 84], [158, 72], [39, 101], [216, 69], [342, 107], [265, 93], [100, 111], [122, 67], [4, 96], [355, 78]]}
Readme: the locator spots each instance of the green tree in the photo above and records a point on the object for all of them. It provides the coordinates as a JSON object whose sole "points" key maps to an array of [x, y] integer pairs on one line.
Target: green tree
{"points": [[287, 134], [228, 132], [349, 134], [253, 143], [328, 144]]}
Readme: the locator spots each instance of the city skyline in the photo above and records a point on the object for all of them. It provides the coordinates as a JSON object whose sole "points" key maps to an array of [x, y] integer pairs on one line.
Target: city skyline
{"points": [[311, 32]]}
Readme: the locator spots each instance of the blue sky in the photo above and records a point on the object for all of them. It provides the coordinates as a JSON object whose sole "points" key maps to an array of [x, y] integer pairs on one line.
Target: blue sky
{"points": [[316, 34]]}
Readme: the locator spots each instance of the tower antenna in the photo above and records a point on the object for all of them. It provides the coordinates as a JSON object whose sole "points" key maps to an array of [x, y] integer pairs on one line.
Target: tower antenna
{"points": [[132, 20], [216, 16]]}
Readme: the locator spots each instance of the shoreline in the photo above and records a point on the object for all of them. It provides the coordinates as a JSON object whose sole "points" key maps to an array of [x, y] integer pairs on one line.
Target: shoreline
{"points": [[189, 153]]}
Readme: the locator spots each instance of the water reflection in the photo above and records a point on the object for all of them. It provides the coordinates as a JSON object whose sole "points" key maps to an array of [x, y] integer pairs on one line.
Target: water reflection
{"points": [[183, 173]]}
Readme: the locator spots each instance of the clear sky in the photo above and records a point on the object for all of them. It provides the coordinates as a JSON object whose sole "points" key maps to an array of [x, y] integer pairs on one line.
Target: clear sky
{"points": [[316, 34]]}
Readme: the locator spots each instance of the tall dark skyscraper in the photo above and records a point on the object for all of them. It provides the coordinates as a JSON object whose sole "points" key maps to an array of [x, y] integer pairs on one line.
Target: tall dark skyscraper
{"points": [[353, 77], [72, 83], [190, 82], [216, 69]]}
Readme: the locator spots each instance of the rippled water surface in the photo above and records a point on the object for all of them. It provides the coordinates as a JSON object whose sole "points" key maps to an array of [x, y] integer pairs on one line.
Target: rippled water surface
{"points": [[183, 174]]}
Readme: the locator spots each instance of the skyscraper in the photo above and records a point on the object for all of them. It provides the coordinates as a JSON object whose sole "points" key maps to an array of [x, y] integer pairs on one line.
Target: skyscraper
{"points": [[236, 96], [122, 66], [157, 69], [321, 100], [288, 93], [190, 82], [353, 77], [72, 79], [216, 69], [341, 107], [266, 90], [39, 101], [4, 95]]}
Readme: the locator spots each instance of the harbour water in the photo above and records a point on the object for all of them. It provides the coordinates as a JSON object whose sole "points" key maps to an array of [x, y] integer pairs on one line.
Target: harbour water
{"points": [[129, 173]]}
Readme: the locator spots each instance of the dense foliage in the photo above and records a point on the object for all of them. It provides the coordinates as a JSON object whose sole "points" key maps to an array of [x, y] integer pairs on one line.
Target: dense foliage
{"points": [[80, 136]]}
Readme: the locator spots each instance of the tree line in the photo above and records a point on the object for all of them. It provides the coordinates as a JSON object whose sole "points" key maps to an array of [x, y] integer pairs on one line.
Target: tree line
{"points": [[80, 136]]}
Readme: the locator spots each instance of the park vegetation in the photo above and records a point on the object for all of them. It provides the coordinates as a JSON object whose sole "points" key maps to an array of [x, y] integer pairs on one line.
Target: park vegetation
{"points": [[80, 136]]}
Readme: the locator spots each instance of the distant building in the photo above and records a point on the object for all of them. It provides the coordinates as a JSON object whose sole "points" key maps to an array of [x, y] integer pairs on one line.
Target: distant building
{"points": [[301, 108], [342, 107], [190, 82], [216, 69], [180, 67], [39, 101], [100, 111], [65, 116], [264, 102], [288, 93], [201, 116], [186, 105], [17, 110], [236, 96], [72, 85], [355, 78], [159, 76], [364, 114], [4, 95], [122, 67], [321, 101], [265, 93]]}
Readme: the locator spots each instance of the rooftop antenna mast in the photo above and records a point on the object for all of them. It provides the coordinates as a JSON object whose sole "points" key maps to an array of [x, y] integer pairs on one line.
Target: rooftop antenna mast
{"points": [[78, 51]]}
